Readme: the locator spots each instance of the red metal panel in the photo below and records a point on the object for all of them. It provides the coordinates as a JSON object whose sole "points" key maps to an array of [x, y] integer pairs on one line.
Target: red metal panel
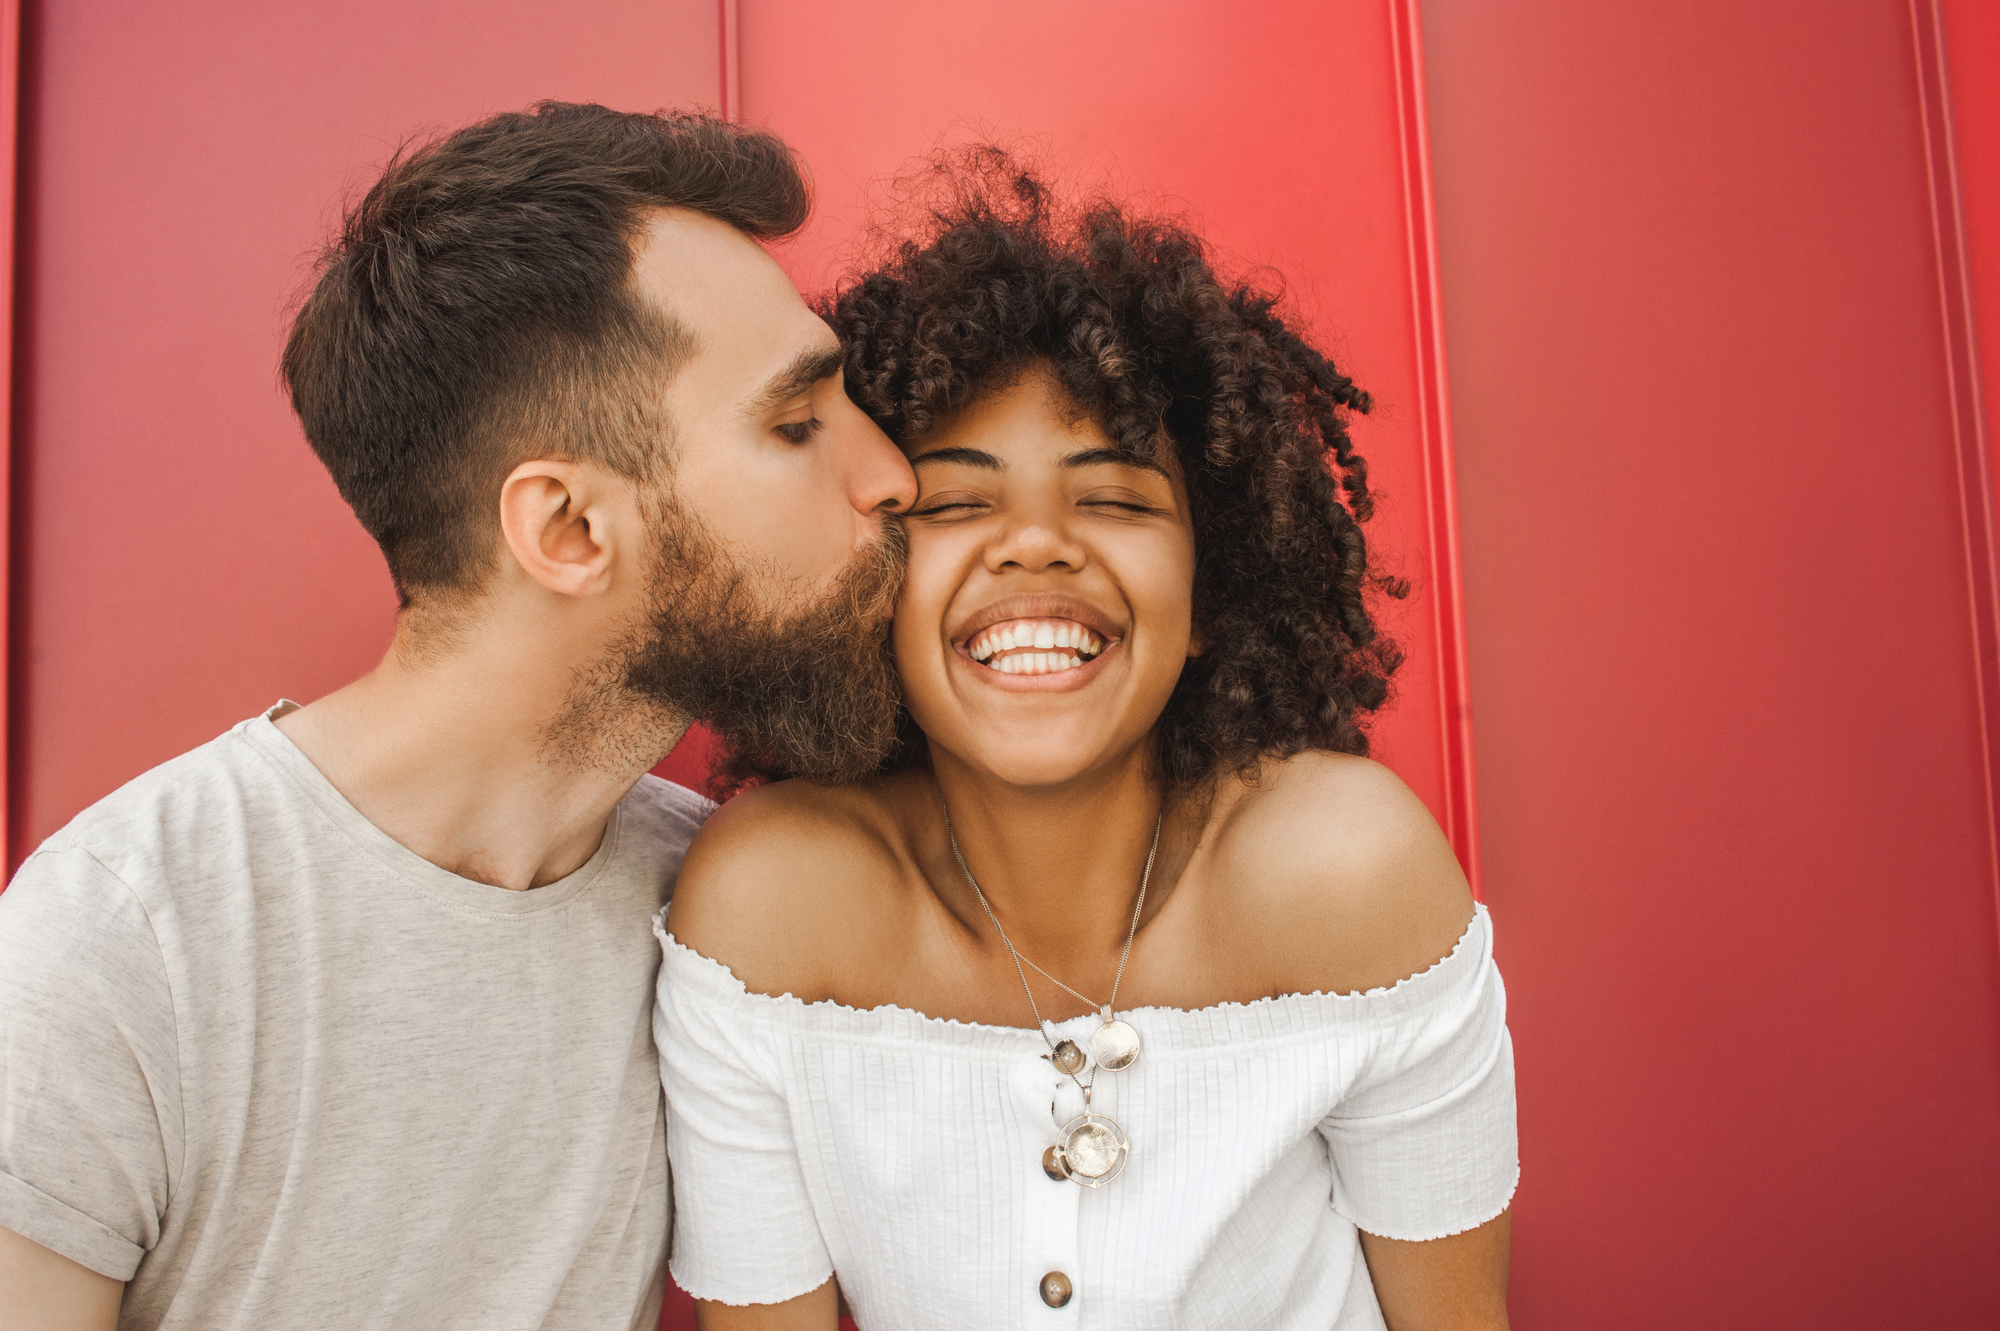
{"points": [[1294, 138], [1732, 789], [182, 557]]}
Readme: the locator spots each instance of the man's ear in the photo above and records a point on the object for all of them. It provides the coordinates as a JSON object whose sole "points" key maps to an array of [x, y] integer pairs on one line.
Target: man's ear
{"points": [[558, 519]]}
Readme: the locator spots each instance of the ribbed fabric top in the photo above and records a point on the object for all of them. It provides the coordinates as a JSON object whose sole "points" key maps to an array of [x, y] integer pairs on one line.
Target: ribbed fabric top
{"points": [[905, 1152]]}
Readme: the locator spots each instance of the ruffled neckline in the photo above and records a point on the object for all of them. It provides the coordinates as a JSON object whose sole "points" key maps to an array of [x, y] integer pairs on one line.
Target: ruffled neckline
{"points": [[1281, 1018]]}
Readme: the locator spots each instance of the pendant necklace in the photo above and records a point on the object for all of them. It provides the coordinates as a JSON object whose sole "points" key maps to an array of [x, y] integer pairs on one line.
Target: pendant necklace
{"points": [[1091, 1148]]}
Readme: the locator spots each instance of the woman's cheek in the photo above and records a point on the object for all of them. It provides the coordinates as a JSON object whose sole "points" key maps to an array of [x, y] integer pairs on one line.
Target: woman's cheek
{"points": [[917, 632]]}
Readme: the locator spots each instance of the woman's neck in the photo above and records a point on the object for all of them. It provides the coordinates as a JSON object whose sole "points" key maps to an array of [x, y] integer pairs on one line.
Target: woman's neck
{"points": [[1060, 866]]}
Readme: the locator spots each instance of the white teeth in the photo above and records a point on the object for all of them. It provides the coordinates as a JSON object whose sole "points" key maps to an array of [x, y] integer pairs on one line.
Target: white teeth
{"points": [[1042, 635], [1033, 663]]}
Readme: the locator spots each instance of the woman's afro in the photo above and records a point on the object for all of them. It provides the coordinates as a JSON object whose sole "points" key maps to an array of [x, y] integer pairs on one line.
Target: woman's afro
{"points": [[1133, 323]]}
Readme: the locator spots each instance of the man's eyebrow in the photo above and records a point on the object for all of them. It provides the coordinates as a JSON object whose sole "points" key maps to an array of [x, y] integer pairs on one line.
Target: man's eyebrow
{"points": [[1100, 457], [967, 457], [807, 368]]}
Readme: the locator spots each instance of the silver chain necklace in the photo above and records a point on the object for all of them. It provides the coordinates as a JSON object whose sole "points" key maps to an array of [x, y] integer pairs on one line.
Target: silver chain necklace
{"points": [[1091, 1148]]}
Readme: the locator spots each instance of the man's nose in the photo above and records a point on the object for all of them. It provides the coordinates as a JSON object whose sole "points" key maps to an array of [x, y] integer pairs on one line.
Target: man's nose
{"points": [[880, 480]]}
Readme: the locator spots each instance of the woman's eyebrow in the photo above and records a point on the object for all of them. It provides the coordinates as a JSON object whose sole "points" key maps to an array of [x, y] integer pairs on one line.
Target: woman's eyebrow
{"points": [[1100, 457], [968, 457]]}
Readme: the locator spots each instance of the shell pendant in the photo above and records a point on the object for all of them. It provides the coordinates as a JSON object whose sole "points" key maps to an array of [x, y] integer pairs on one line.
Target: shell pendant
{"points": [[1114, 1045], [1090, 1150]]}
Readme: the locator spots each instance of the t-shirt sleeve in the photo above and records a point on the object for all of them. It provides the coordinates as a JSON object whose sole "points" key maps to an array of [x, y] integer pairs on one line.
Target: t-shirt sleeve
{"points": [[89, 1072], [744, 1228], [1424, 1143]]}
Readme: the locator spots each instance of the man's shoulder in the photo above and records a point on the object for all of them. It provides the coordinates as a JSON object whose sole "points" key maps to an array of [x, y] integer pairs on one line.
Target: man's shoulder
{"points": [[96, 894], [666, 813], [218, 790]]}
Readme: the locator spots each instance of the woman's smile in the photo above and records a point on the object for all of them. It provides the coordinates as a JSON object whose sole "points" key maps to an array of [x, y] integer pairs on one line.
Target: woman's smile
{"points": [[1022, 646], [1035, 642]]}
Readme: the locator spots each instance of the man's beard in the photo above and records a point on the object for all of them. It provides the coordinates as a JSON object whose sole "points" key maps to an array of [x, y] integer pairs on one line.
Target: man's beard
{"points": [[808, 692]]}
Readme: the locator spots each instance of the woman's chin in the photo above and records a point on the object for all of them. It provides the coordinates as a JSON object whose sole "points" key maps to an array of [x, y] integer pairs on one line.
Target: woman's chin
{"points": [[1038, 762]]}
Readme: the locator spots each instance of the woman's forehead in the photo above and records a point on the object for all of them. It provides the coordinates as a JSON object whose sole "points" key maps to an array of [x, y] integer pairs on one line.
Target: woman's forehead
{"points": [[1028, 422]]}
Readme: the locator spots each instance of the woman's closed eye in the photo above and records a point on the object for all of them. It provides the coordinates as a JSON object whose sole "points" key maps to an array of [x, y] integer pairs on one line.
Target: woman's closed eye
{"points": [[950, 506], [1120, 503], [798, 432]]}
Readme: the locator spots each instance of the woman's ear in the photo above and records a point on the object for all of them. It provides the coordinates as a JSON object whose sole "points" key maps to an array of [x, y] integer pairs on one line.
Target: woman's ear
{"points": [[557, 520]]}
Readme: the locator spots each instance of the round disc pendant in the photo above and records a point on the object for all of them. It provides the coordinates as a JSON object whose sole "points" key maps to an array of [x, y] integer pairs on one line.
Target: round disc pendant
{"points": [[1092, 1149], [1067, 1058], [1115, 1046]]}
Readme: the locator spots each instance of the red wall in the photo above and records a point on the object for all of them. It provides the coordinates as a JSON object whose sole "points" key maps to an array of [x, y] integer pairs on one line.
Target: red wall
{"points": [[181, 557], [1731, 786]]}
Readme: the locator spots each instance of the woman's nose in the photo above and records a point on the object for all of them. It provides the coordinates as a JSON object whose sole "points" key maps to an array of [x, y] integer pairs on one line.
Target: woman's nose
{"points": [[1035, 545]]}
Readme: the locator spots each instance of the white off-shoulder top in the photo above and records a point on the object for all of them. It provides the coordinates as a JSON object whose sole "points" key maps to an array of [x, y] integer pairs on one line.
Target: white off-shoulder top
{"points": [[905, 1152]]}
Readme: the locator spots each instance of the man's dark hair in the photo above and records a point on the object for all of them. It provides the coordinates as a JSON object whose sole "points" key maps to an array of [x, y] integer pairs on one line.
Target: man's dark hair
{"points": [[477, 302], [1183, 371]]}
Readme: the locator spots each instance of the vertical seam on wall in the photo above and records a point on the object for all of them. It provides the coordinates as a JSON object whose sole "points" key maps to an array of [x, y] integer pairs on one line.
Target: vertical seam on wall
{"points": [[729, 75], [1968, 421], [10, 129], [1434, 427]]}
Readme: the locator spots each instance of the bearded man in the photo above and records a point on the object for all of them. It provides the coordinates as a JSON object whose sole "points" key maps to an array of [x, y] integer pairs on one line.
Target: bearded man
{"points": [[342, 1019]]}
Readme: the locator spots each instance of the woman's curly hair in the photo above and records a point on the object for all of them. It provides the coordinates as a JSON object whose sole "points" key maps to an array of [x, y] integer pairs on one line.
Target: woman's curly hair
{"points": [[1132, 321]]}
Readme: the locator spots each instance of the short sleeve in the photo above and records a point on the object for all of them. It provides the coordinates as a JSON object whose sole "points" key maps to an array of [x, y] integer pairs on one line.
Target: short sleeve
{"points": [[89, 1068], [1424, 1142], [744, 1228]]}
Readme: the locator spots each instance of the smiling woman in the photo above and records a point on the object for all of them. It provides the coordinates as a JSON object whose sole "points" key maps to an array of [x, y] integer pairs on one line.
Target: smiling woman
{"points": [[1128, 986]]}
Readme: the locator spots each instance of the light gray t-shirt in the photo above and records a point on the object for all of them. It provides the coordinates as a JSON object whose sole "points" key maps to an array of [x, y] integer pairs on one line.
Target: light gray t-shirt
{"points": [[274, 1069]]}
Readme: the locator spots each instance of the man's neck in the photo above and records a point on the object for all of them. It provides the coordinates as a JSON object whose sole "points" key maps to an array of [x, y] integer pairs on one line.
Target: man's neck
{"points": [[450, 755]]}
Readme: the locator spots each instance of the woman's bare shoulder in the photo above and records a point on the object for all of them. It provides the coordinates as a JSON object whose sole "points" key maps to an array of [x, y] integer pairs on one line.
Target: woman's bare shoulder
{"points": [[788, 884], [1346, 881]]}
